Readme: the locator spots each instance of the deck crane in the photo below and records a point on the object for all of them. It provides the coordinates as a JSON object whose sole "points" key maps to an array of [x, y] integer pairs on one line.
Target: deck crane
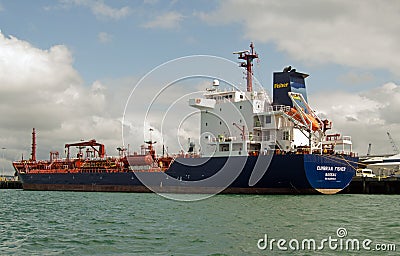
{"points": [[394, 146]]}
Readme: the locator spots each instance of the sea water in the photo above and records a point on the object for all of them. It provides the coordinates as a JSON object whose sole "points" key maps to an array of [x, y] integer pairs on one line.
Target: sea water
{"points": [[93, 223]]}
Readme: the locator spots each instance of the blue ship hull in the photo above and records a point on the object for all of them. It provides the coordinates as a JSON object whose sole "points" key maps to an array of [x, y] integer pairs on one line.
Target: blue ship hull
{"points": [[278, 174]]}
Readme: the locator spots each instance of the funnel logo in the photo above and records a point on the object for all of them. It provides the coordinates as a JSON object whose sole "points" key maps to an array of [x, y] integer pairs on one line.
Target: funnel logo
{"points": [[190, 115]]}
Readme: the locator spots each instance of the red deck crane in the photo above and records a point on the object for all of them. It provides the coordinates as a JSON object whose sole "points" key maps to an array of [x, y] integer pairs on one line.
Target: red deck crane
{"points": [[91, 143]]}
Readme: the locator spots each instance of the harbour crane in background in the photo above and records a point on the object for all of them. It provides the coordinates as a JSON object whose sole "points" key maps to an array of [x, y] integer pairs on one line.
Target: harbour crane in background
{"points": [[394, 146], [389, 164], [369, 149]]}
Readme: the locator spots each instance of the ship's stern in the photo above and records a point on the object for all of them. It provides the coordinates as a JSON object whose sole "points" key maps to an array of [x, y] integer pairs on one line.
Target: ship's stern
{"points": [[329, 174]]}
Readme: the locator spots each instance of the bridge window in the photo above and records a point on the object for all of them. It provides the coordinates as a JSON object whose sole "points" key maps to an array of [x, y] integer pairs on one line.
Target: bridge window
{"points": [[285, 135], [223, 147]]}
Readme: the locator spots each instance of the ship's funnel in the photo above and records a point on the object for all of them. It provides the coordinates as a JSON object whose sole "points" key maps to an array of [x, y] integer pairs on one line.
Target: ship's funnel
{"points": [[288, 81]]}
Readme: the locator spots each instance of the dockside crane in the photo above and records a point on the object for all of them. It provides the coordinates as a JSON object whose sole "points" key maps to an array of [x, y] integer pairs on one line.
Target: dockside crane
{"points": [[369, 149], [394, 146]]}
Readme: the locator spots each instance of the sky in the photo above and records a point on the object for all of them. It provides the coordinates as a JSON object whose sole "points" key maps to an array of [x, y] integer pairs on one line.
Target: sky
{"points": [[72, 68]]}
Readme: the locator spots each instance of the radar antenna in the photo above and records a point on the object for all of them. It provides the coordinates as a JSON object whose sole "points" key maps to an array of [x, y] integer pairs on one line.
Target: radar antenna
{"points": [[248, 56]]}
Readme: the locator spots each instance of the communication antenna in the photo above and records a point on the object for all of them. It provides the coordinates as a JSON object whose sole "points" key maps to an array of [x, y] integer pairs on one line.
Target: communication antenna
{"points": [[248, 57]]}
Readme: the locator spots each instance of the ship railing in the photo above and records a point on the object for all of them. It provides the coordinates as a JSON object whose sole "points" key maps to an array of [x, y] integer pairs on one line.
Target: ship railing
{"points": [[222, 138], [246, 138], [283, 108], [346, 153], [337, 137], [185, 155], [219, 98], [346, 138], [260, 138]]}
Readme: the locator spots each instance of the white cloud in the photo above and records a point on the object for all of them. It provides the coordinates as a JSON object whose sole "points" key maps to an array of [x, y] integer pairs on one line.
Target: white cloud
{"points": [[366, 116], [41, 89], [100, 9], [357, 34], [355, 78], [167, 20], [104, 37], [21, 63]]}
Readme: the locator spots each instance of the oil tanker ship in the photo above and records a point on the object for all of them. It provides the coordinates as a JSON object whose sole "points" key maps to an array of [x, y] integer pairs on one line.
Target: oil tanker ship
{"points": [[247, 146]]}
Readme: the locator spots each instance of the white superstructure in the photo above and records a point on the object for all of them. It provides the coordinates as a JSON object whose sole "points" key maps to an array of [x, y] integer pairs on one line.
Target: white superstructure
{"points": [[230, 123], [240, 123]]}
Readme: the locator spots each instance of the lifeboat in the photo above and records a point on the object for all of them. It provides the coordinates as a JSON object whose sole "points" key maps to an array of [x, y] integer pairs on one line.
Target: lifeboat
{"points": [[308, 118]]}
